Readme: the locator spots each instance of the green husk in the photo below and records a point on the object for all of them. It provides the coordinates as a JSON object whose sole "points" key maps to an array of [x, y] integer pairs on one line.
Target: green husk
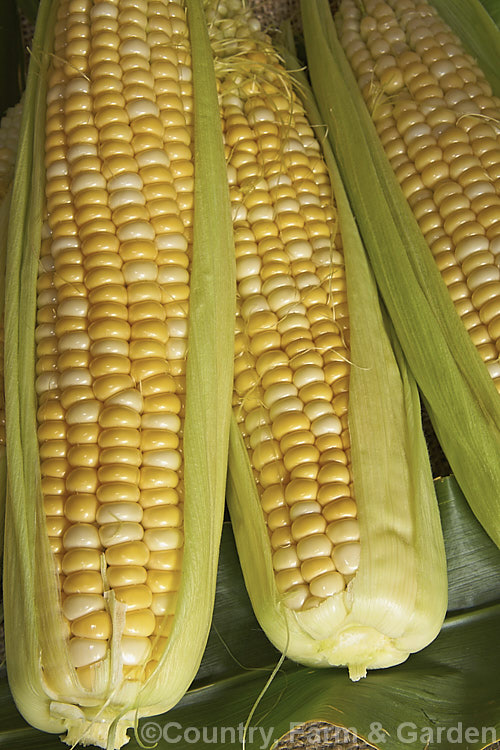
{"points": [[396, 602], [458, 391], [41, 678], [4, 212], [493, 9]]}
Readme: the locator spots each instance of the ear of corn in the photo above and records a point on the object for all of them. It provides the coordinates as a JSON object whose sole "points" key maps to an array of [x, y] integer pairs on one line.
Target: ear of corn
{"points": [[148, 596], [330, 491], [458, 389]]}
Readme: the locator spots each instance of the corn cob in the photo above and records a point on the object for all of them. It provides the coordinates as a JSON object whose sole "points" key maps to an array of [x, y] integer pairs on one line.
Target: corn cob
{"points": [[129, 470], [439, 124], [113, 294], [292, 354], [433, 218], [299, 496]]}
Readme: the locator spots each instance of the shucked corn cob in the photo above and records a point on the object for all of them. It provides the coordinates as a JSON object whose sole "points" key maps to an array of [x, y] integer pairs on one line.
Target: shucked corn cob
{"points": [[439, 123], [126, 461], [113, 302], [298, 516], [292, 326]]}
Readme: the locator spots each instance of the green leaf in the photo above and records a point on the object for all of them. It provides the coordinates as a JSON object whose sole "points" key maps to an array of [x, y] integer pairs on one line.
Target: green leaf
{"points": [[450, 687], [473, 561]]}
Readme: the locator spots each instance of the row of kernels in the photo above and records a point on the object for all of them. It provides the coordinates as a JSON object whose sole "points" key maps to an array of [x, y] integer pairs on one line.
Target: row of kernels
{"points": [[53, 464], [71, 24], [285, 211], [303, 536], [448, 133], [301, 461], [325, 584], [281, 535], [54, 505], [160, 484], [173, 85], [434, 35], [342, 557], [307, 391]]}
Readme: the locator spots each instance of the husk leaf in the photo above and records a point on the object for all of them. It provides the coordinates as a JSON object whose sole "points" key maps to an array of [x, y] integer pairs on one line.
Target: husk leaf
{"points": [[4, 219], [493, 9]]}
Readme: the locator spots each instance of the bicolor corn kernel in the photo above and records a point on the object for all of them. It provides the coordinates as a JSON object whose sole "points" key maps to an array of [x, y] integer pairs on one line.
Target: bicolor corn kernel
{"points": [[113, 302], [292, 317]]}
